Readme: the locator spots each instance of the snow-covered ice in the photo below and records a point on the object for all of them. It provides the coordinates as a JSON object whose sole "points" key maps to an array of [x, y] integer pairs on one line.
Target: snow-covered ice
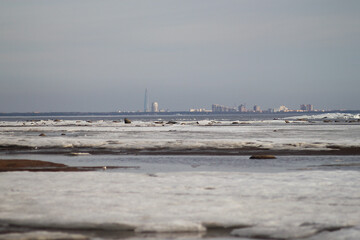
{"points": [[313, 205], [332, 116], [276, 204], [66, 135]]}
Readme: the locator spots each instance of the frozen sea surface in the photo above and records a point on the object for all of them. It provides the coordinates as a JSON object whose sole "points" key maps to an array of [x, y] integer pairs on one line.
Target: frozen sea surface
{"points": [[213, 196], [286, 205], [183, 136]]}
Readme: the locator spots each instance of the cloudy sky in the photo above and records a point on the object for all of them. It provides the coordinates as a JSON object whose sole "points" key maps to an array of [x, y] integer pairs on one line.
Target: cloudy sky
{"points": [[89, 55]]}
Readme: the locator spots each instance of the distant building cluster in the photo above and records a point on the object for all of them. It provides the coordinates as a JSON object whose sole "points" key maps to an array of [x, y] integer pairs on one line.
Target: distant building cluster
{"points": [[257, 109], [282, 108], [306, 107], [199, 110], [241, 108], [217, 108], [220, 108], [154, 106]]}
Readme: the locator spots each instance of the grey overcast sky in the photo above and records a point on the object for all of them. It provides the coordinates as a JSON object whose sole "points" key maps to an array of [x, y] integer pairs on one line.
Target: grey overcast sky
{"points": [[89, 55]]}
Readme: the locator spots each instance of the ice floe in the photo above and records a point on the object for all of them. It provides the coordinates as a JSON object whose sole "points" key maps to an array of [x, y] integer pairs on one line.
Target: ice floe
{"points": [[109, 135]]}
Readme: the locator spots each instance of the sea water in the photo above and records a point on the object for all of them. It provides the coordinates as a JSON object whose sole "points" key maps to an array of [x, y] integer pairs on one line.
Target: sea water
{"points": [[192, 194]]}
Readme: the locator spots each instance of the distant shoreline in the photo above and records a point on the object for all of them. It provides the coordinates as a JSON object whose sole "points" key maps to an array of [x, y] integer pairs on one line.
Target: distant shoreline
{"points": [[123, 114]]}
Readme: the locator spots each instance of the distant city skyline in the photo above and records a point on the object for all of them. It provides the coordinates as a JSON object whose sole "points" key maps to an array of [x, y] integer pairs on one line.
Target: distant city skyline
{"points": [[99, 56], [222, 108]]}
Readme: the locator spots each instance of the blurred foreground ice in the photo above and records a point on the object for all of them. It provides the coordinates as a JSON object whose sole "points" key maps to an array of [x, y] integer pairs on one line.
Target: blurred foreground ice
{"points": [[310, 205]]}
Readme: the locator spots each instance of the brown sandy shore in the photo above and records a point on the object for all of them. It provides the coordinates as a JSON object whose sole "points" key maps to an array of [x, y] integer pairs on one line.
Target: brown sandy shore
{"points": [[44, 166]]}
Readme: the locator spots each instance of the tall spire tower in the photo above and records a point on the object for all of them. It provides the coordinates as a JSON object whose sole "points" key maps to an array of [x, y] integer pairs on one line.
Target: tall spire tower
{"points": [[146, 101]]}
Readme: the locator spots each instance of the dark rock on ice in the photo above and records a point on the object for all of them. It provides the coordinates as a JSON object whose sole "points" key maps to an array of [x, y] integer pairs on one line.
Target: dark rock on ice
{"points": [[152, 175], [262, 157], [42, 135], [127, 121], [171, 122]]}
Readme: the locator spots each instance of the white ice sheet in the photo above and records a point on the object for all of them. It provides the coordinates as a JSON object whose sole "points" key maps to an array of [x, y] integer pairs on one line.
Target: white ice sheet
{"points": [[275, 205], [271, 134]]}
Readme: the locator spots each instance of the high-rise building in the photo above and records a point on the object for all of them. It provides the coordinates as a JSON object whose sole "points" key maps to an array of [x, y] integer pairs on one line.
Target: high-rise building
{"points": [[307, 107], [257, 108], [216, 108], [146, 101], [242, 108], [155, 107]]}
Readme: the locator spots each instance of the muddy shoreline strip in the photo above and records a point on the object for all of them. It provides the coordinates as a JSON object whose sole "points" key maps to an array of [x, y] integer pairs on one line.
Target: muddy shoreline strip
{"points": [[44, 166], [330, 150]]}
